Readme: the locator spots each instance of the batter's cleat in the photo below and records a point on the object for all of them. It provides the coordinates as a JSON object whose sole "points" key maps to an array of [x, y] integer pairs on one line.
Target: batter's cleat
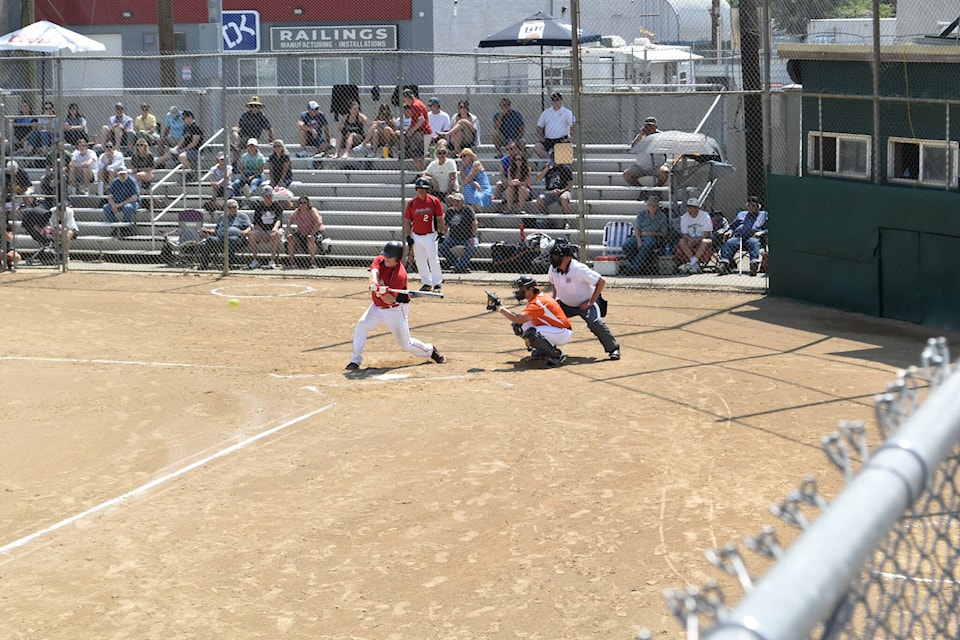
{"points": [[556, 362], [353, 366], [615, 354], [436, 287], [437, 357], [426, 287]]}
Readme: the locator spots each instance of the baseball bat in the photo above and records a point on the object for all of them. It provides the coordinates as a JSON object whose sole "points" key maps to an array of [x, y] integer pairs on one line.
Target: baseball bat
{"points": [[416, 293]]}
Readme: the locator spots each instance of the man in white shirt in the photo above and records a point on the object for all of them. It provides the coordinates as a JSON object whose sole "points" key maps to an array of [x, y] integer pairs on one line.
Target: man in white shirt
{"points": [[554, 125], [442, 173], [577, 288], [439, 120], [696, 237]]}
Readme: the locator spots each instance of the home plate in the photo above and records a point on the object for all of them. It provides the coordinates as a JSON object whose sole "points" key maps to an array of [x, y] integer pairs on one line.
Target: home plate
{"points": [[390, 376]]}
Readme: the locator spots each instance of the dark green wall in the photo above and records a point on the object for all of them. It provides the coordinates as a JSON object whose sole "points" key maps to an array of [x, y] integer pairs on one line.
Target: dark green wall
{"points": [[884, 251]]}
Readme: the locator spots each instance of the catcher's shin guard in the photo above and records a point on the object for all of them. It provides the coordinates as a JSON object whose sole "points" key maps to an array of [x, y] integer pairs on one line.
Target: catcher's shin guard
{"points": [[533, 339]]}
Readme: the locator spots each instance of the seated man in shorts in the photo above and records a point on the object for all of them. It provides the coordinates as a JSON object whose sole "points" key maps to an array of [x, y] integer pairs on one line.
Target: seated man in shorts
{"points": [[313, 130], [267, 227]]}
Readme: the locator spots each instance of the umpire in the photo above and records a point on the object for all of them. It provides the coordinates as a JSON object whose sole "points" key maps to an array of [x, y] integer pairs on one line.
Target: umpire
{"points": [[577, 288]]}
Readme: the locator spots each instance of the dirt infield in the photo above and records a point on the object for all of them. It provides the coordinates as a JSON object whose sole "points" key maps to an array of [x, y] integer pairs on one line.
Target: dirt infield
{"points": [[175, 467]]}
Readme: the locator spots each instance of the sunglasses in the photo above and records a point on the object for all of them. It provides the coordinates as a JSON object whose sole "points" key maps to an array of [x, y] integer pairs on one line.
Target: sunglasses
{"points": [[441, 153], [119, 108], [108, 146], [144, 108]]}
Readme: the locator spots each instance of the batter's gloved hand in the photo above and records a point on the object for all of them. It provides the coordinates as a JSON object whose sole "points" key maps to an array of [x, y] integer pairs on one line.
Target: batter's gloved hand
{"points": [[440, 238], [409, 241], [493, 301]]}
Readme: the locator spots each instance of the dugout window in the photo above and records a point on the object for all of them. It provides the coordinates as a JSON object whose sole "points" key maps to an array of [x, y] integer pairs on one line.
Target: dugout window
{"points": [[927, 162], [257, 73], [838, 154], [326, 72]]}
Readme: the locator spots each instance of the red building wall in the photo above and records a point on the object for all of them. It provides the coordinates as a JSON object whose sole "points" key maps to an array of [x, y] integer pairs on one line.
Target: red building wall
{"points": [[73, 13]]}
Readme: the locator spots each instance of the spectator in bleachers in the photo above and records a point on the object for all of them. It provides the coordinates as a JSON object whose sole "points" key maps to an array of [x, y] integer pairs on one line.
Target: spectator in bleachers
{"points": [[109, 163], [508, 126], [70, 228], [281, 175], [172, 130], [82, 168], [636, 170], [352, 131], [142, 162], [267, 227], [187, 148], [558, 182], [231, 222], [74, 125], [41, 137], [517, 187], [510, 148], [439, 119], [464, 128], [383, 133], [696, 237], [249, 169], [442, 173], [554, 125], [477, 191], [308, 235], [146, 127], [416, 124], [746, 231], [252, 124], [123, 196], [219, 180], [13, 258], [119, 128], [16, 181], [313, 130], [23, 126], [650, 231], [461, 230]]}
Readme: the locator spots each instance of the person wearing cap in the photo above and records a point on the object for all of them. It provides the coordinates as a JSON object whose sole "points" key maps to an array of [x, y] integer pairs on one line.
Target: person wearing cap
{"points": [[508, 126], [416, 124], [122, 196], [748, 230], [250, 169], [252, 124], [119, 128], [219, 179], [461, 230], [439, 119], [558, 183], [422, 219], [696, 238], [554, 125], [108, 163], [267, 227], [145, 125], [442, 173], [638, 169], [650, 230], [173, 125], [352, 130], [312, 130]]}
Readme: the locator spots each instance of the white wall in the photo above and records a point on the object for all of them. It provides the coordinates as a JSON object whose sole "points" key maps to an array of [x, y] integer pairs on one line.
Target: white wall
{"points": [[924, 17]]}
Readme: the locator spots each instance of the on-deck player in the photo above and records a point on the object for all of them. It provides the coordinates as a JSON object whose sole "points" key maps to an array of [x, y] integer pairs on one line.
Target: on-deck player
{"points": [[421, 220], [387, 275]]}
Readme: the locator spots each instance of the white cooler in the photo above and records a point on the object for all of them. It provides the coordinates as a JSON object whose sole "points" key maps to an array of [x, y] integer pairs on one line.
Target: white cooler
{"points": [[606, 265]]}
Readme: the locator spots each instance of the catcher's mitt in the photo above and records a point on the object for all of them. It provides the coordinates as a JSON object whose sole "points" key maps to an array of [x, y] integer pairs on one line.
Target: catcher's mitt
{"points": [[493, 301]]}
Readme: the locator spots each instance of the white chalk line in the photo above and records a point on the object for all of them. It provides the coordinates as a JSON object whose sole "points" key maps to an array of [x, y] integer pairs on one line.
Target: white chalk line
{"points": [[158, 481], [898, 576], [138, 363], [225, 292]]}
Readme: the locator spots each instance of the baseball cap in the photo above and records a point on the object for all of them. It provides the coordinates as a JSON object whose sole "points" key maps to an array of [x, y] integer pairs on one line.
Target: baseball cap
{"points": [[265, 189], [753, 200], [119, 105], [693, 202], [556, 94], [408, 93], [122, 169], [653, 200], [456, 195], [220, 155], [252, 141], [650, 120], [174, 110], [434, 100], [313, 104]]}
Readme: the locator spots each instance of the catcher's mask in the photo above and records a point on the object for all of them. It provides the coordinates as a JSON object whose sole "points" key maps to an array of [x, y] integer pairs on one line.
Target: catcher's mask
{"points": [[520, 286]]}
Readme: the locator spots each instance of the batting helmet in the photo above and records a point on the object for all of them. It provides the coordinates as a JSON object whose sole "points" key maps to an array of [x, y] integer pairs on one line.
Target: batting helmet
{"points": [[521, 284], [12, 167], [393, 249], [421, 183], [562, 247]]}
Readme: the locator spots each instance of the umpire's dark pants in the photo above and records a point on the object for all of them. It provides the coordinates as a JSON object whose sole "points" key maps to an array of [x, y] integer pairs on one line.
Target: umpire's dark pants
{"points": [[595, 323]]}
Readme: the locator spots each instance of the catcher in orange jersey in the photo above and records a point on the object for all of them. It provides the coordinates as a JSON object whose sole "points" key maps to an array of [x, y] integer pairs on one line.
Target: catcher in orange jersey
{"points": [[542, 324]]}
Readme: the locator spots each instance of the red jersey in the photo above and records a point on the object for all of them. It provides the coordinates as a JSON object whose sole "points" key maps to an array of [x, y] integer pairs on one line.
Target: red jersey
{"points": [[394, 277], [418, 109], [545, 310], [422, 213]]}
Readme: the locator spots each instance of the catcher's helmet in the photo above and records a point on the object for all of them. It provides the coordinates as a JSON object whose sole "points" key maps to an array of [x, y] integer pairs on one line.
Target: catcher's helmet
{"points": [[421, 183], [521, 284], [393, 249], [562, 247]]}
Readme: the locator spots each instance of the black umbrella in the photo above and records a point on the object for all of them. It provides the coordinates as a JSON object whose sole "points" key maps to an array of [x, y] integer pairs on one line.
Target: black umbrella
{"points": [[539, 30]]}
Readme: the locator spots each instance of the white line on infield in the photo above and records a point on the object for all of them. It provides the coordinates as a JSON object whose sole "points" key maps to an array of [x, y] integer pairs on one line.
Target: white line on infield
{"points": [[127, 362], [158, 481]]}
